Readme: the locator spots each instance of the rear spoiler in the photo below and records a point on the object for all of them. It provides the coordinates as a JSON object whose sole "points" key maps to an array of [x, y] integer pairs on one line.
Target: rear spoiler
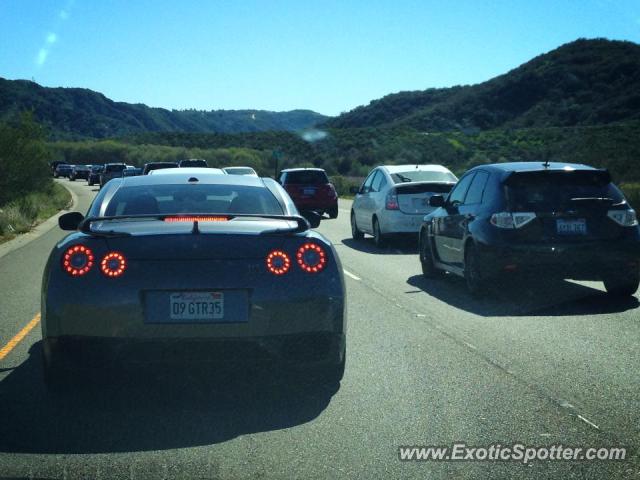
{"points": [[302, 223], [421, 187], [600, 175]]}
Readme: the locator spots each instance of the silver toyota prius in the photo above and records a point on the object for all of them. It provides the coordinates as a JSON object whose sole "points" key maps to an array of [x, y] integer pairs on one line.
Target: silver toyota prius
{"points": [[191, 263], [394, 199]]}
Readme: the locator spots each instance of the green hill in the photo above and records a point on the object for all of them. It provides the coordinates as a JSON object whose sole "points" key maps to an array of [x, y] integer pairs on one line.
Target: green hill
{"points": [[585, 82], [81, 113]]}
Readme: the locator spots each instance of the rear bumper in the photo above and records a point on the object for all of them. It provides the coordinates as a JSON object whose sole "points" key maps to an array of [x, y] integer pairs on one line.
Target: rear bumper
{"points": [[88, 352], [395, 221], [315, 204], [587, 261]]}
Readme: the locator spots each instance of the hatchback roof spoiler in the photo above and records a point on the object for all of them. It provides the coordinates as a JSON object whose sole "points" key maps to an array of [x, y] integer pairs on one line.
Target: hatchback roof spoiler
{"points": [[602, 174]]}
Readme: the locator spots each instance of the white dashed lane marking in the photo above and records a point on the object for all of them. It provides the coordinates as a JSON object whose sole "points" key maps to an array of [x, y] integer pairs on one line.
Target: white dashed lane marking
{"points": [[351, 275]]}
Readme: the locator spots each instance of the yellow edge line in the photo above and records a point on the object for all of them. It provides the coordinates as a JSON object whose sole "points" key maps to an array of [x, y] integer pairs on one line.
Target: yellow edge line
{"points": [[19, 336]]}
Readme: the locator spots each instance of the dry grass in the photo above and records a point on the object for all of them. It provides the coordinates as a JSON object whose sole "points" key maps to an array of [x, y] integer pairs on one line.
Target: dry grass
{"points": [[21, 215]]}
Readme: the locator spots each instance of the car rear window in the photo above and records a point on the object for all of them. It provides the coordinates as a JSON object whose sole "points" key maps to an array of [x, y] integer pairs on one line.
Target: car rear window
{"points": [[307, 177], [423, 176], [193, 163], [115, 168], [239, 171], [549, 191], [209, 199]]}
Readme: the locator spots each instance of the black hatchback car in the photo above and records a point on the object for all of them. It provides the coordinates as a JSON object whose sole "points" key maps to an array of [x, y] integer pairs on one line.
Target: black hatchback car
{"points": [[558, 219]]}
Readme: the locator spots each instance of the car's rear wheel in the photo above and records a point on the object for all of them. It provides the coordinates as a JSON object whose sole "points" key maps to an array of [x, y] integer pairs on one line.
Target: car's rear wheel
{"points": [[355, 233], [473, 275], [72, 179], [378, 236], [622, 284], [429, 270], [333, 212]]}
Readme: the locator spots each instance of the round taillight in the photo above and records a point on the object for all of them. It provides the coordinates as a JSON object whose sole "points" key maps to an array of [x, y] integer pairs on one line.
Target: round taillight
{"points": [[278, 262], [311, 257], [77, 260], [113, 264]]}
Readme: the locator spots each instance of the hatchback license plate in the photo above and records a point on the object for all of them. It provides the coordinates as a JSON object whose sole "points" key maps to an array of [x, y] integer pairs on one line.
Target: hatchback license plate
{"points": [[309, 191], [196, 306], [571, 227]]}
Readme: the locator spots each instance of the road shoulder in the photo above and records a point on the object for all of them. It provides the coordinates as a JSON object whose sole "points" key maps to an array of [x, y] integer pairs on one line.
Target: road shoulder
{"points": [[39, 230]]}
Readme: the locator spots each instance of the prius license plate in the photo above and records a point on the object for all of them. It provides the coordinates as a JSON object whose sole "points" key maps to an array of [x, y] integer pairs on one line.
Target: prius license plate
{"points": [[571, 227], [201, 306]]}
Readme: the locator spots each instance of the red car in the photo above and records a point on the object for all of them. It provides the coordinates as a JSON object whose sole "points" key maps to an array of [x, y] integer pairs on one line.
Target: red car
{"points": [[310, 189]]}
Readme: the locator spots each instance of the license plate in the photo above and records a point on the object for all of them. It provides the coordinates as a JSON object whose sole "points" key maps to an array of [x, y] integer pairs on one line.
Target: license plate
{"points": [[309, 191], [201, 306], [571, 227]]}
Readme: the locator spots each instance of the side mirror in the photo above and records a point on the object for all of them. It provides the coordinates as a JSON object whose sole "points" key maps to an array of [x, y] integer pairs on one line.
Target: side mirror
{"points": [[70, 221], [354, 190], [436, 201], [313, 218]]}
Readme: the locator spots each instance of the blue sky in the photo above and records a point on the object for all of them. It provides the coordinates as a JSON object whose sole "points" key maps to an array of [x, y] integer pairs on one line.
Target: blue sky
{"points": [[329, 56]]}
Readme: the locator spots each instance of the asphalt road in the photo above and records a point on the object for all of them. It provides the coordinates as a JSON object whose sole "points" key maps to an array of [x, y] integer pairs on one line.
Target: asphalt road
{"points": [[544, 364]]}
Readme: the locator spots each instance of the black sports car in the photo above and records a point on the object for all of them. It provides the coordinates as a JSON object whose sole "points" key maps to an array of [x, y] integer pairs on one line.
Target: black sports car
{"points": [[189, 262]]}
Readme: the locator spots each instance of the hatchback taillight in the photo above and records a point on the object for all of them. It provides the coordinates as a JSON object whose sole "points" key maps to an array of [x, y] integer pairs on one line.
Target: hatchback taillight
{"points": [[624, 218], [391, 202], [511, 220], [77, 260]]}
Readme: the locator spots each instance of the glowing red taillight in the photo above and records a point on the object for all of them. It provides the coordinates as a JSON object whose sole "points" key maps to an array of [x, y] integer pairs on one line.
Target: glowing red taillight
{"points": [[311, 257], [77, 260], [391, 202], [113, 264], [278, 262], [194, 218]]}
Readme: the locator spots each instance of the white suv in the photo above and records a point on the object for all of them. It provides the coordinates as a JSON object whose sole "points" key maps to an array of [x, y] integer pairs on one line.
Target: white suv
{"points": [[395, 198]]}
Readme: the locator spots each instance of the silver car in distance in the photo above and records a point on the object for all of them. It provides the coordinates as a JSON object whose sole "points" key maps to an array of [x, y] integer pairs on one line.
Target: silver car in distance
{"points": [[194, 263], [394, 199]]}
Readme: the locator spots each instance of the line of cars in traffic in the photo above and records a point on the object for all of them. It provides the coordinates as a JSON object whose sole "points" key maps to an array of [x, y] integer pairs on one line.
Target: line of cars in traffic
{"points": [[100, 174], [549, 219], [310, 188]]}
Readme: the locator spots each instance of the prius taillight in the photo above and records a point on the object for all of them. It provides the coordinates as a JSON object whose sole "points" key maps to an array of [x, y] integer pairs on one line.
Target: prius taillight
{"points": [[113, 264], [77, 260]]}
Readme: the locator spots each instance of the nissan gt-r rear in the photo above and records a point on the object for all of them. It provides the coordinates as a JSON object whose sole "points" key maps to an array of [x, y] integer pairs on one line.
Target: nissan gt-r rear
{"points": [[183, 268]]}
